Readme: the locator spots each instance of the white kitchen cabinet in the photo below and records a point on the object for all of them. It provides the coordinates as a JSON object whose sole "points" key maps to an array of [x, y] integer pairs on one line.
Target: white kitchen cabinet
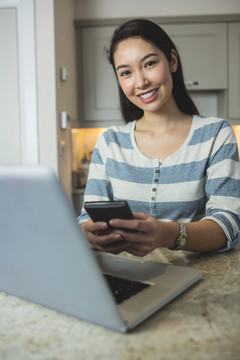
{"points": [[203, 50], [234, 71], [99, 89]]}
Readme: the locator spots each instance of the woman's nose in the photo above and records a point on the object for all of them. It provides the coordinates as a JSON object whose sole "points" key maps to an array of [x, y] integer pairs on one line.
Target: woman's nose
{"points": [[141, 81]]}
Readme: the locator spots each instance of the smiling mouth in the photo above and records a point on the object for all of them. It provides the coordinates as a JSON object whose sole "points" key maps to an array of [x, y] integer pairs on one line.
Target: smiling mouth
{"points": [[148, 95]]}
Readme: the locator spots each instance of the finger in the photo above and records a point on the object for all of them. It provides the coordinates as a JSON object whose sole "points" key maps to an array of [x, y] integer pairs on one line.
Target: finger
{"points": [[94, 226], [139, 215], [124, 224], [116, 248], [103, 240], [137, 227]]}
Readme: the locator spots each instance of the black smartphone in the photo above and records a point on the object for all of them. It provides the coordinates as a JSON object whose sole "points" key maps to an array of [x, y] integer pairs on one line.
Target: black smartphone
{"points": [[107, 210]]}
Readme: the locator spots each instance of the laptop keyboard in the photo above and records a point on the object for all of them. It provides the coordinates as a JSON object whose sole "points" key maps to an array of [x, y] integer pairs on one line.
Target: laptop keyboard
{"points": [[123, 289]]}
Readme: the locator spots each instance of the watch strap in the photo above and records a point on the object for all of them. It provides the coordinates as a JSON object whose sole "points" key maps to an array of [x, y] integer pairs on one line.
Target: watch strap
{"points": [[182, 238]]}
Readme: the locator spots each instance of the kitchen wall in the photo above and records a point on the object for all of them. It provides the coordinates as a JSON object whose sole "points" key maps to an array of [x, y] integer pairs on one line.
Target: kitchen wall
{"points": [[66, 91], [105, 9]]}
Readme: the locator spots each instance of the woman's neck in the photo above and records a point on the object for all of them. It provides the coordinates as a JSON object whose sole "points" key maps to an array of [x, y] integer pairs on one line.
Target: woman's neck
{"points": [[162, 121]]}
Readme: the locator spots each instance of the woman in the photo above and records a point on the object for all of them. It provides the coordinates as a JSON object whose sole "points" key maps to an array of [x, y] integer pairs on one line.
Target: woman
{"points": [[179, 171]]}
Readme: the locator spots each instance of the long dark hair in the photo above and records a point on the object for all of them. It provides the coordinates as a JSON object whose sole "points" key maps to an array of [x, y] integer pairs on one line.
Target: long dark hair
{"points": [[151, 32]]}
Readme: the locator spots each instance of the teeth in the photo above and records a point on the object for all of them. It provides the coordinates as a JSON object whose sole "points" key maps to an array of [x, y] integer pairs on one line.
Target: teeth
{"points": [[148, 95]]}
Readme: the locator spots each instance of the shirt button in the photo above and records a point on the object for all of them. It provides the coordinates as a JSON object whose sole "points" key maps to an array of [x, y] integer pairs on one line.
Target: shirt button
{"points": [[157, 171], [155, 180], [153, 198], [154, 189]]}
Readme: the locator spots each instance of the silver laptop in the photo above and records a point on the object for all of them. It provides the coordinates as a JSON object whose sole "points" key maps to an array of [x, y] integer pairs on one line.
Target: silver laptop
{"points": [[45, 258]]}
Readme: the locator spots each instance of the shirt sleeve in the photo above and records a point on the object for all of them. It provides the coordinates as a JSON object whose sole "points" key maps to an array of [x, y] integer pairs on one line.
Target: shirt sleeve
{"points": [[223, 185]]}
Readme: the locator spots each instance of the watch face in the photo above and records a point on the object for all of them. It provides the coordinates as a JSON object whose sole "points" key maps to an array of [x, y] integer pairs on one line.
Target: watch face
{"points": [[182, 241]]}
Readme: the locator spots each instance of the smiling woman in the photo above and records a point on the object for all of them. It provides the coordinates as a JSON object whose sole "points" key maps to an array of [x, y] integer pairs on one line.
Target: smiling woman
{"points": [[161, 44], [179, 171]]}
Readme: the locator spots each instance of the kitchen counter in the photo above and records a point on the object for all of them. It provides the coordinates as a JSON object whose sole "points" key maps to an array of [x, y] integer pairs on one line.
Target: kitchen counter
{"points": [[202, 323]]}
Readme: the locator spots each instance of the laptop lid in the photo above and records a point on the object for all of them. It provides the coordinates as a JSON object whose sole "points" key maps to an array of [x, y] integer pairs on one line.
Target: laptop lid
{"points": [[45, 258]]}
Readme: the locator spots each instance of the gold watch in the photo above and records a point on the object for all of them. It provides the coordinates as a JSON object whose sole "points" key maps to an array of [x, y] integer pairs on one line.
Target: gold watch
{"points": [[181, 240]]}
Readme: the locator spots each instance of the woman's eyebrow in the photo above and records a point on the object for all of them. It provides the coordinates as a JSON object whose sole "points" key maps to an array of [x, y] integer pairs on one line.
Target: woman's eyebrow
{"points": [[122, 66], [143, 59], [147, 56]]}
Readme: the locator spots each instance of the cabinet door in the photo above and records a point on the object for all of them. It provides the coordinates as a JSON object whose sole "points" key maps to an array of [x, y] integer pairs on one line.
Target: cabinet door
{"points": [[100, 94], [234, 71], [203, 51]]}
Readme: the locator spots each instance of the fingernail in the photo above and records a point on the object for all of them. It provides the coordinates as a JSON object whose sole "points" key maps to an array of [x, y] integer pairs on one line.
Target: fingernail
{"points": [[113, 222], [117, 237], [103, 225]]}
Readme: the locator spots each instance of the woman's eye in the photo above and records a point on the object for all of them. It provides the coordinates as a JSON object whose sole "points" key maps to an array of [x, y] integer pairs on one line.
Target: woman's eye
{"points": [[125, 73], [150, 63]]}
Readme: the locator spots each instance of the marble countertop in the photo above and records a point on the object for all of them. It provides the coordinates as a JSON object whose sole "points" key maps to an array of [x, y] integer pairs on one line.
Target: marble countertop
{"points": [[203, 323]]}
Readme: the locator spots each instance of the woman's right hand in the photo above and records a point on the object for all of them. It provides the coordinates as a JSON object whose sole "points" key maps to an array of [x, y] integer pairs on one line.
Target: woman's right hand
{"points": [[102, 238]]}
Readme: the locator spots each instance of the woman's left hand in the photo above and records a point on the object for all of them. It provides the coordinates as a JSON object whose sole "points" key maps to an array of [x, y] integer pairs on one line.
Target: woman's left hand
{"points": [[147, 233]]}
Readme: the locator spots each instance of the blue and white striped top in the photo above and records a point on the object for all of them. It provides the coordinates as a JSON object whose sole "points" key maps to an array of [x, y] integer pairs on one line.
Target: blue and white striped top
{"points": [[201, 180]]}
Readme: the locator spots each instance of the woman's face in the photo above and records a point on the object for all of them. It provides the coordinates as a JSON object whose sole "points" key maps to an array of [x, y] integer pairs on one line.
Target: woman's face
{"points": [[144, 73]]}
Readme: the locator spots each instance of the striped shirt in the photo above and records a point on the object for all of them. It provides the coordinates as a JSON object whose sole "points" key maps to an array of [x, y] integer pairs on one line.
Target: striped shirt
{"points": [[201, 180]]}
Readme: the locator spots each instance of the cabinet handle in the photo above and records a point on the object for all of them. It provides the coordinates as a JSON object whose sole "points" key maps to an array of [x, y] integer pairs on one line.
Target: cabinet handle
{"points": [[191, 82]]}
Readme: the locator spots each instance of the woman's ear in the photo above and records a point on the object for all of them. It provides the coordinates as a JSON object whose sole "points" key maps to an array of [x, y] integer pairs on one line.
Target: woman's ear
{"points": [[174, 61]]}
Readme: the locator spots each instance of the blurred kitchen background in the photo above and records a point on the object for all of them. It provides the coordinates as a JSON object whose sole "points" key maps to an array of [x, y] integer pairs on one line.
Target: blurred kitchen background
{"points": [[58, 93]]}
